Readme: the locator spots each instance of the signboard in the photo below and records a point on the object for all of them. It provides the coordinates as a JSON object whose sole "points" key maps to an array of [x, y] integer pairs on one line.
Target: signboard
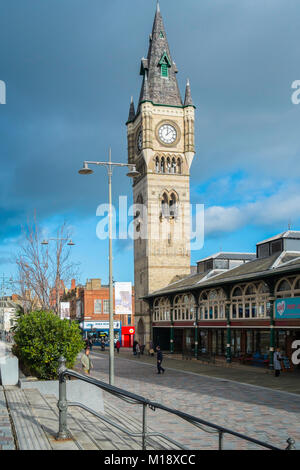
{"points": [[99, 325], [123, 298], [65, 310], [128, 330], [287, 309]]}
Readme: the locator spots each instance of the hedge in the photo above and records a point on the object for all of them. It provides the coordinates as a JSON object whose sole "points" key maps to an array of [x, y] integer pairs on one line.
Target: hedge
{"points": [[41, 338]]}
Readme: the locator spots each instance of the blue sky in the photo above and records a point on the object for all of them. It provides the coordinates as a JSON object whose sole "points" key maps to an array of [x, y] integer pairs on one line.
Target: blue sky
{"points": [[71, 66]]}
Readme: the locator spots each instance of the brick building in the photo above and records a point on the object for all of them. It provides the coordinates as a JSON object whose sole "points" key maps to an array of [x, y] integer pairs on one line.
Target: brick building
{"points": [[89, 305]]}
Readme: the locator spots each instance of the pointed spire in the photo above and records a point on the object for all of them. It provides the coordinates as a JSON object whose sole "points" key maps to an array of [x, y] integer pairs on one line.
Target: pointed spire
{"points": [[131, 115], [162, 83], [145, 94], [188, 95]]}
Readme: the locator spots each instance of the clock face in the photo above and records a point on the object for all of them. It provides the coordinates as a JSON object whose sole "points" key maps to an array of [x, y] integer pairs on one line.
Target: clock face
{"points": [[140, 140], [167, 134]]}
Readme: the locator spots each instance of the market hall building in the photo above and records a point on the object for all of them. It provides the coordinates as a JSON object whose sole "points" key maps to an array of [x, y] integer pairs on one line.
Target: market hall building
{"points": [[238, 312]]}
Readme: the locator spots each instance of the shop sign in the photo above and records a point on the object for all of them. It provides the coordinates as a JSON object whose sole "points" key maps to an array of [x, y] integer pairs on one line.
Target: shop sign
{"points": [[99, 325], [287, 309]]}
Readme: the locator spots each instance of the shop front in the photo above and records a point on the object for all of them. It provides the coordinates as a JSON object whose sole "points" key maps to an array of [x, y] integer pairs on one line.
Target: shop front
{"points": [[100, 329], [127, 336]]}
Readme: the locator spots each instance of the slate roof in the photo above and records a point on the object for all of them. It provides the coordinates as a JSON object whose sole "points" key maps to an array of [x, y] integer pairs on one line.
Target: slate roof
{"points": [[231, 256], [160, 90], [248, 271], [287, 234]]}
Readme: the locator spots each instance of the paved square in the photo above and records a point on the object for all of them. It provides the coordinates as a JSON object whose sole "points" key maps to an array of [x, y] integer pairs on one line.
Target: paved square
{"points": [[265, 414]]}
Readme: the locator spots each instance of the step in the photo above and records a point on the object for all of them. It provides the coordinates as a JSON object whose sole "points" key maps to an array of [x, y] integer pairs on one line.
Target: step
{"points": [[7, 441], [48, 419], [30, 434], [85, 433]]}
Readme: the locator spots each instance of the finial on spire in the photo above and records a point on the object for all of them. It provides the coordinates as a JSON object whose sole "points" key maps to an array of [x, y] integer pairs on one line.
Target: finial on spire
{"points": [[131, 115], [157, 7], [188, 95]]}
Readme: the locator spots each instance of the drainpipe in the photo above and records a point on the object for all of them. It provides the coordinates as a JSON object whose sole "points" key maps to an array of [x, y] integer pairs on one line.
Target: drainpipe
{"points": [[272, 332], [171, 332], [196, 331], [228, 346]]}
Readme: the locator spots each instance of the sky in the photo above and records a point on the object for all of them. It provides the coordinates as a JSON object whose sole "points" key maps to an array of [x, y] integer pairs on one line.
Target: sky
{"points": [[70, 68]]}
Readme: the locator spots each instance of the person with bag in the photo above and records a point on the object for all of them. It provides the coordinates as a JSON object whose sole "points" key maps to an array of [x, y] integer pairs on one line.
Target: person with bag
{"points": [[86, 362], [277, 362]]}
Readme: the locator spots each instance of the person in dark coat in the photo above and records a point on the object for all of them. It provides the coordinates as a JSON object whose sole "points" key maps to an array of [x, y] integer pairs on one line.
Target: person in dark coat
{"points": [[159, 360], [134, 347]]}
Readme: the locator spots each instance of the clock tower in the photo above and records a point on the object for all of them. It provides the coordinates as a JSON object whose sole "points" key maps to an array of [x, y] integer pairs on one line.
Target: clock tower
{"points": [[161, 145]]}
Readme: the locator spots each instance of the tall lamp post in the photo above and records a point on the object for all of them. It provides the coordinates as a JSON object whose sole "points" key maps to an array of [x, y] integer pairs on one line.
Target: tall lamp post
{"points": [[6, 282], [132, 174], [70, 243]]}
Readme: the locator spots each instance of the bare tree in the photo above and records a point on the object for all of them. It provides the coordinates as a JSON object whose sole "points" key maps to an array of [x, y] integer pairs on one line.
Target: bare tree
{"points": [[42, 267]]}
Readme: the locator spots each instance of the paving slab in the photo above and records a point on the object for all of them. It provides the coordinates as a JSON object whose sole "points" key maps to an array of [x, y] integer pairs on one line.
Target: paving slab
{"points": [[259, 412]]}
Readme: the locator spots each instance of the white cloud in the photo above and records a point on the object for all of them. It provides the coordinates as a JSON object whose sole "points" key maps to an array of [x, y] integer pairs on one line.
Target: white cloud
{"points": [[280, 208]]}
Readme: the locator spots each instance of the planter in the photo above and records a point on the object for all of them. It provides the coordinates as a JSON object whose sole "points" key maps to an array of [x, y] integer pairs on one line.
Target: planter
{"points": [[77, 391]]}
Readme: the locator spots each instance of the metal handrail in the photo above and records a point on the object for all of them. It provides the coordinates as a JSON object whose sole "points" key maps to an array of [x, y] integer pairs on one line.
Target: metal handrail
{"points": [[132, 398]]}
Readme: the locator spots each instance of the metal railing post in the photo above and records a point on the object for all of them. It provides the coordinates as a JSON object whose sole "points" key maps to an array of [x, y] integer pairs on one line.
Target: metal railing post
{"points": [[291, 444], [221, 440], [62, 402], [144, 445]]}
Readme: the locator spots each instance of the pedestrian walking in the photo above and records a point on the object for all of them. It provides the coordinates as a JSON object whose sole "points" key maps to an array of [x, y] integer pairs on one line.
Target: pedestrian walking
{"points": [[277, 362], [159, 360], [118, 345], [134, 347], [138, 350], [86, 361], [102, 344]]}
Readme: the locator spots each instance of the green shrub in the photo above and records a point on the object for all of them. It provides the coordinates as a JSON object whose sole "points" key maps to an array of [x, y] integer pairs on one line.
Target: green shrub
{"points": [[41, 338]]}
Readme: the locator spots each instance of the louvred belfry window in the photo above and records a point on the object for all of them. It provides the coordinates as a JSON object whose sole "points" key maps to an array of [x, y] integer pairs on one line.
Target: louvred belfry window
{"points": [[164, 71], [165, 63]]}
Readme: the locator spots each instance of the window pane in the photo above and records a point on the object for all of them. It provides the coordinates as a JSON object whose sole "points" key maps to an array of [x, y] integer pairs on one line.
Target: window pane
{"points": [[106, 306], [97, 306]]}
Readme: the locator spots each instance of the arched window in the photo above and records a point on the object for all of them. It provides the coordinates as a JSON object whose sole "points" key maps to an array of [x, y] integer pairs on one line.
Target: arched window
{"points": [[283, 289], [157, 165], [212, 305], [168, 165], [173, 206], [237, 304], [162, 165], [179, 165], [173, 166], [165, 206], [297, 287], [284, 286]]}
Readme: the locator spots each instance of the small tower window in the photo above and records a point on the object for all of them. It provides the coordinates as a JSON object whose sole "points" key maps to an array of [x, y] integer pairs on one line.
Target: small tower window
{"points": [[165, 63], [161, 35], [164, 71]]}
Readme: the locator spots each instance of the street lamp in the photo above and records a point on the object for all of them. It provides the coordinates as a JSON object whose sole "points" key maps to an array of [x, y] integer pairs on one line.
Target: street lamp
{"points": [[133, 173], [70, 243], [6, 282]]}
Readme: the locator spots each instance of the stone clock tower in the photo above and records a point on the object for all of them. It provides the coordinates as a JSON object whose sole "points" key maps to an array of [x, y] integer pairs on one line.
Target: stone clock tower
{"points": [[161, 144]]}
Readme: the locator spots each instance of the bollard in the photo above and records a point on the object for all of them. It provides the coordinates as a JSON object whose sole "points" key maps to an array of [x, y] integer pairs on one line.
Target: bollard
{"points": [[62, 402]]}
